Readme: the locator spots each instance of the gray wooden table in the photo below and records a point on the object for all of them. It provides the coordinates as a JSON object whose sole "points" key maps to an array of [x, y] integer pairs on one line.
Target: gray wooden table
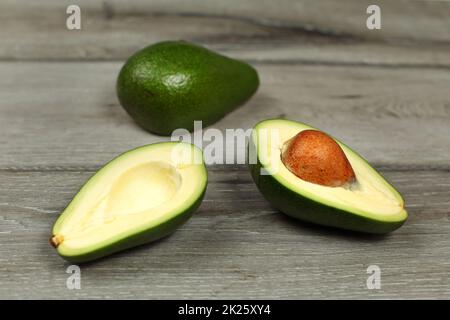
{"points": [[386, 93]]}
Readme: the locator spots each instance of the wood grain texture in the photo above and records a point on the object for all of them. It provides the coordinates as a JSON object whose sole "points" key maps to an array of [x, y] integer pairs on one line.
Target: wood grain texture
{"points": [[309, 31], [67, 114], [230, 251], [52, 142], [385, 93]]}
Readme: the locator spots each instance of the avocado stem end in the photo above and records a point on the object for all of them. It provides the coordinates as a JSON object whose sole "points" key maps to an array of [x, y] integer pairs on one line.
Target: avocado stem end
{"points": [[56, 240]]}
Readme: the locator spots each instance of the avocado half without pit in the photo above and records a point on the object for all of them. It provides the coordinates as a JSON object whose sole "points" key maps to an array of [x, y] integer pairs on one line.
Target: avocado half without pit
{"points": [[140, 196], [311, 176]]}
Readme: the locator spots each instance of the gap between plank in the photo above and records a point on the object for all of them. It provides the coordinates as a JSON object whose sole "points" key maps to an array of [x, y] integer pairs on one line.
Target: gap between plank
{"points": [[218, 168], [287, 62]]}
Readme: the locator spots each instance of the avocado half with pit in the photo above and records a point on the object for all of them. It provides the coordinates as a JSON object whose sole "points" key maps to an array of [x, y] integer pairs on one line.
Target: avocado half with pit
{"points": [[140, 196], [366, 202]]}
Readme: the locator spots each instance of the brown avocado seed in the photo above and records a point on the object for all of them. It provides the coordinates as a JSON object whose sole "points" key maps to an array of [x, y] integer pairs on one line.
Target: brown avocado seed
{"points": [[317, 158]]}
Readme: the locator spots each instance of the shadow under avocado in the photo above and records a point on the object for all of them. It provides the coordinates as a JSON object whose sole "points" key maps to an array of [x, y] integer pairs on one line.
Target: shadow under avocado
{"points": [[328, 231]]}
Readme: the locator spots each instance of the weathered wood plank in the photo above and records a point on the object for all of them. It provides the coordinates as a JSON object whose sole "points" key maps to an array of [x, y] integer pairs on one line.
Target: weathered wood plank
{"points": [[228, 251], [385, 93], [347, 17], [67, 114], [413, 32]]}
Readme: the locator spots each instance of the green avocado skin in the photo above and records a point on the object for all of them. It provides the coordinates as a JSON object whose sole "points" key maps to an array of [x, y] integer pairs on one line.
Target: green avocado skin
{"points": [[146, 236], [302, 208], [171, 84]]}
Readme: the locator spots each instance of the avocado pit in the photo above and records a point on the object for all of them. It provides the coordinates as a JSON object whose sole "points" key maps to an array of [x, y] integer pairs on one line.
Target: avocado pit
{"points": [[315, 157]]}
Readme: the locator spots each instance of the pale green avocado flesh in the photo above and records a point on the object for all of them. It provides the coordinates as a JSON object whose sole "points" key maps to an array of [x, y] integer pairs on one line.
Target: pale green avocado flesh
{"points": [[140, 196], [369, 205]]}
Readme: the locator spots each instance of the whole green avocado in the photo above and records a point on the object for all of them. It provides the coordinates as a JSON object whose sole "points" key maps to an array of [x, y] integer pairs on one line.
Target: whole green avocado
{"points": [[171, 84]]}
